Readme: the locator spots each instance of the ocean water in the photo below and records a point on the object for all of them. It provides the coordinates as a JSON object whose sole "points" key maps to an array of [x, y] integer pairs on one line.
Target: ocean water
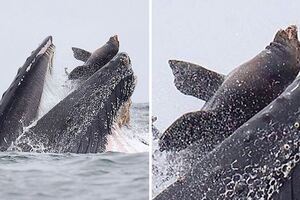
{"points": [[105, 176]]}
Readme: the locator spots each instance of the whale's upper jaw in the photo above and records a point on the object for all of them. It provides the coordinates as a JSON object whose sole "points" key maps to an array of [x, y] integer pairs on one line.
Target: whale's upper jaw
{"points": [[46, 48]]}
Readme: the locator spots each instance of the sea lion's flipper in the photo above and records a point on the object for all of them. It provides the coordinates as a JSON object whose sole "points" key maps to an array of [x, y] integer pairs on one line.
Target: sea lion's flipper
{"points": [[81, 54], [192, 79], [189, 128]]}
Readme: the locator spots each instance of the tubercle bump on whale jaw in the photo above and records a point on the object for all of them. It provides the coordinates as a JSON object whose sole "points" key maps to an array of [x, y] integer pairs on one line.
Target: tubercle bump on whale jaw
{"points": [[124, 58]]}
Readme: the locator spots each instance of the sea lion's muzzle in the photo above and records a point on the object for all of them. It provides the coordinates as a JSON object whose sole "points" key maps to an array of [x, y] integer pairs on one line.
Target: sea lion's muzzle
{"points": [[292, 32]]}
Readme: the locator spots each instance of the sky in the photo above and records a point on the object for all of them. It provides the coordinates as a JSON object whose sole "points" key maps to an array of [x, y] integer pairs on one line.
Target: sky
{"points": [[79, 23], [219, 35]]}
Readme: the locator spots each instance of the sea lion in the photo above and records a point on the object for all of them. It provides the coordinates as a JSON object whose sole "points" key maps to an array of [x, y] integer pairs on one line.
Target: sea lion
{"points": [[94, 61], [243, 93]]}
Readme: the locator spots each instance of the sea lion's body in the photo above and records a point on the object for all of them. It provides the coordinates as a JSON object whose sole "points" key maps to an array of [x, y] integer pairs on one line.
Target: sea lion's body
{"points": [[94, 61], [243, 93]]}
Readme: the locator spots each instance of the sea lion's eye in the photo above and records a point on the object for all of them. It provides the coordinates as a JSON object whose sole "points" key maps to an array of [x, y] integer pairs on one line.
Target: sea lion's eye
{"points": [[297, 125]]}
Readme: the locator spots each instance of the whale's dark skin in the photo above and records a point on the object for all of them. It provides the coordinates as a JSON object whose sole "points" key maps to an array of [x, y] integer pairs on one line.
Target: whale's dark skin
{"points": [[243, 93], [19, 104], [93, 61], [81, 122], [290, 189], [260, 160]]}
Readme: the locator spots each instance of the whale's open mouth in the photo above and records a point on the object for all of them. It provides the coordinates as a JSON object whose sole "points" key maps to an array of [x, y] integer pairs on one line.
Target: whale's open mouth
{"points": [[20, 102]]}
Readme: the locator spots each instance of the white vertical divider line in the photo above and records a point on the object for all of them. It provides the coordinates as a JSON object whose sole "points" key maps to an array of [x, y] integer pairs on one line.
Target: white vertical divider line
{"points": [[150, 97]]}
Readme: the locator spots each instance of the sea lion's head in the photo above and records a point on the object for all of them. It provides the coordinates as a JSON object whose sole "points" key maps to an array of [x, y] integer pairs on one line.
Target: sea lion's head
{"points": [[114, 41], [288, 40]]}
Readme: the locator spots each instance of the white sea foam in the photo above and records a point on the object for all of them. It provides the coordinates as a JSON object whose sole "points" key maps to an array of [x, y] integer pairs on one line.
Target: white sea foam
{"points": [[56, 88], [166, 168], [123, 140]]}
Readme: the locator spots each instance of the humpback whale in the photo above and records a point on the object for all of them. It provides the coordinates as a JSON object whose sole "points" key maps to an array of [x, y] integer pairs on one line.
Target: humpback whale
{"points": [[93, 61], [19, 104], [260, 160], [232, 99], [81, 122]]}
